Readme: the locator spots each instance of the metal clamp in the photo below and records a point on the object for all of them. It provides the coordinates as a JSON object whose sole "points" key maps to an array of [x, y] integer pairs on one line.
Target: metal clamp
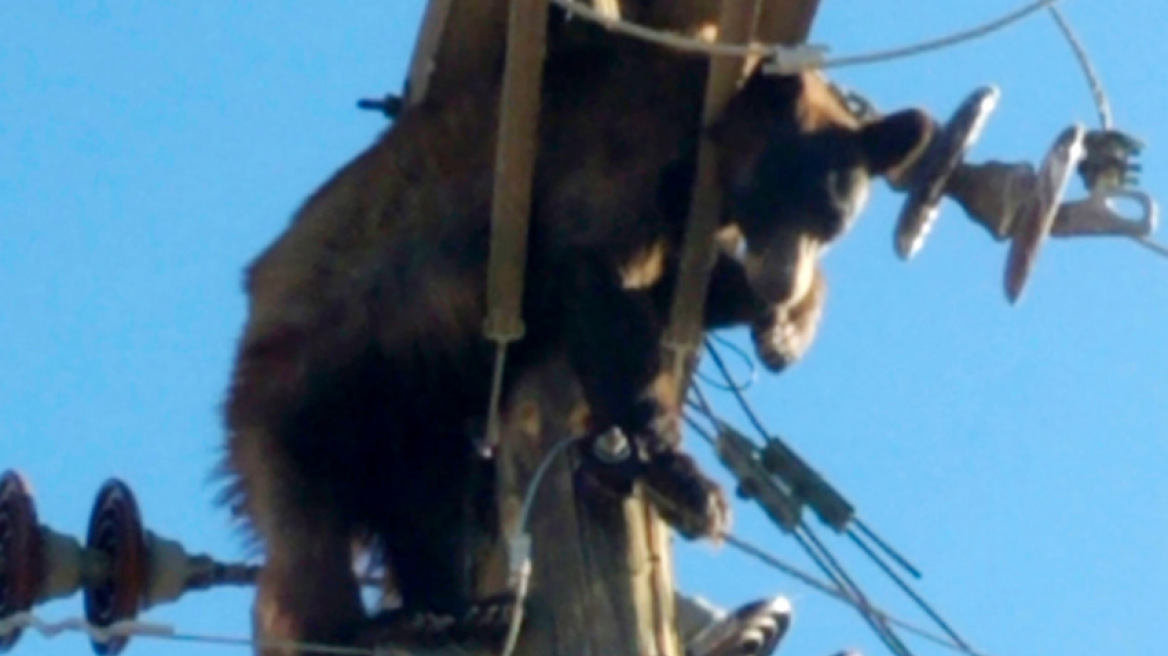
{"points": [[740, 455], [807, 485], [1096, 216], [1109, 171]]}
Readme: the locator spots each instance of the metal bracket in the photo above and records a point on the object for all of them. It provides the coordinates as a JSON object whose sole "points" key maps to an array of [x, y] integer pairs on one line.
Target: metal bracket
{"points": [[1109, 172], [808, 485], [739, 454]]}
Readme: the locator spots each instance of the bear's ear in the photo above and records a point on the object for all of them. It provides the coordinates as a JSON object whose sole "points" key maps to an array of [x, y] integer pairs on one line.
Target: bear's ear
{"points": [[891, 143], [763, 100]]}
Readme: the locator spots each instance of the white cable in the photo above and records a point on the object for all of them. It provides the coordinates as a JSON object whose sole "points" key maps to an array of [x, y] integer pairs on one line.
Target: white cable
{"points": [[134, 628], [519, 545], [123, 629], [1101, 103]]}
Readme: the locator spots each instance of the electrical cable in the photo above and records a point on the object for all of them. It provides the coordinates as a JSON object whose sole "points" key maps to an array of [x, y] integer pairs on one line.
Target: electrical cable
{"points": [[752, 376], [797, 58], [772, 561], [907, 589], [519, 545], [827, 563], [815, 548]]}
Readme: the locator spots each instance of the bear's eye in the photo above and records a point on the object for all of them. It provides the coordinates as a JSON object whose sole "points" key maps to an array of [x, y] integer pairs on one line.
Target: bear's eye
{"points": [[833, 180], [816, 181], [848, 190]]}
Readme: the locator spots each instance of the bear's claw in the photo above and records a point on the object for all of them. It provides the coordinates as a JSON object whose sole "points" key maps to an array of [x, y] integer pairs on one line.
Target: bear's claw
{"points": [[487, 622]]}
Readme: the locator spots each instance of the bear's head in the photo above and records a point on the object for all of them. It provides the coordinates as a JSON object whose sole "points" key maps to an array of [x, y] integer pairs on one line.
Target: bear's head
{"points": [[796, 164]]}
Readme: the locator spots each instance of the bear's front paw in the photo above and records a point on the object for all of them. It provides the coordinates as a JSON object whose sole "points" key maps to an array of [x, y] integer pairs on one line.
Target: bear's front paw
{"points": [[655, 424], [691, 503]]}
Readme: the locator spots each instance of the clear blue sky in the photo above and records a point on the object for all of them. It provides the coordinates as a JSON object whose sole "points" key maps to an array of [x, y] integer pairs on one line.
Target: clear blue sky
{"points": [[149, 150]]}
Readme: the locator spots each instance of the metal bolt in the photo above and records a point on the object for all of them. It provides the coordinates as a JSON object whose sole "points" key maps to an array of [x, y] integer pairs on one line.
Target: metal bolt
{"points": [[612, 446]]}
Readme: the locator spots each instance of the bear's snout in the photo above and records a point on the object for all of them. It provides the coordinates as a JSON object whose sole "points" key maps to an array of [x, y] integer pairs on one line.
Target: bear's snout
{"points": [[783, 273]]}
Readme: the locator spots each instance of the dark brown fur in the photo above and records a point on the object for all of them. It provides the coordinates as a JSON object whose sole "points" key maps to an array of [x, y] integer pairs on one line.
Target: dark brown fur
{"points": [[362, 363]]}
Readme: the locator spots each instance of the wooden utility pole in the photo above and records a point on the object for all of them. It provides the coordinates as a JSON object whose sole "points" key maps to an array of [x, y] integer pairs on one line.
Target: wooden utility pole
{"points": [[601, 580], [602, 577]]}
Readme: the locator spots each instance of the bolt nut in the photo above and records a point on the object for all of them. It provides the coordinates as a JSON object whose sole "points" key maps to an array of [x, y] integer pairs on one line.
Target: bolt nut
{"points": [[612, 446]]}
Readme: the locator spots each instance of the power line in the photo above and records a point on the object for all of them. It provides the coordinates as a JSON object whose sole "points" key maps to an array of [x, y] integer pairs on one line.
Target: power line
{"points": [[1102, 105], [798, 58], [742, 403], [827, 562], [774, 562], [907, 589], [139, 629]]}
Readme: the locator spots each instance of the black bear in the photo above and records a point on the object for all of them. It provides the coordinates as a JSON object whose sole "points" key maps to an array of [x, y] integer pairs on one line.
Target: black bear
{"points": [[362, 363]]}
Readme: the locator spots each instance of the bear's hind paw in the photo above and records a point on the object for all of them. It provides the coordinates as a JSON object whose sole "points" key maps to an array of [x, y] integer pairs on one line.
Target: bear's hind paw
{"points": [[694, 505], [484, 624], [487, 622]]}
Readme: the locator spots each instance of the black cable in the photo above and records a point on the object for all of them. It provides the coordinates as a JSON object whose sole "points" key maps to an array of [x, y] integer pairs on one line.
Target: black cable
{"points": [[774, 562], [702, 432], [732, 385], [834, 571], [921, 603], [749, 411], [887, 549]]}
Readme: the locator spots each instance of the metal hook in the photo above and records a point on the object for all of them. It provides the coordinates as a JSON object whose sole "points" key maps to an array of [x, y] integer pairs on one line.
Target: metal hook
{"points": [[1111, 175], [1096, 215], [1108, 163]]}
